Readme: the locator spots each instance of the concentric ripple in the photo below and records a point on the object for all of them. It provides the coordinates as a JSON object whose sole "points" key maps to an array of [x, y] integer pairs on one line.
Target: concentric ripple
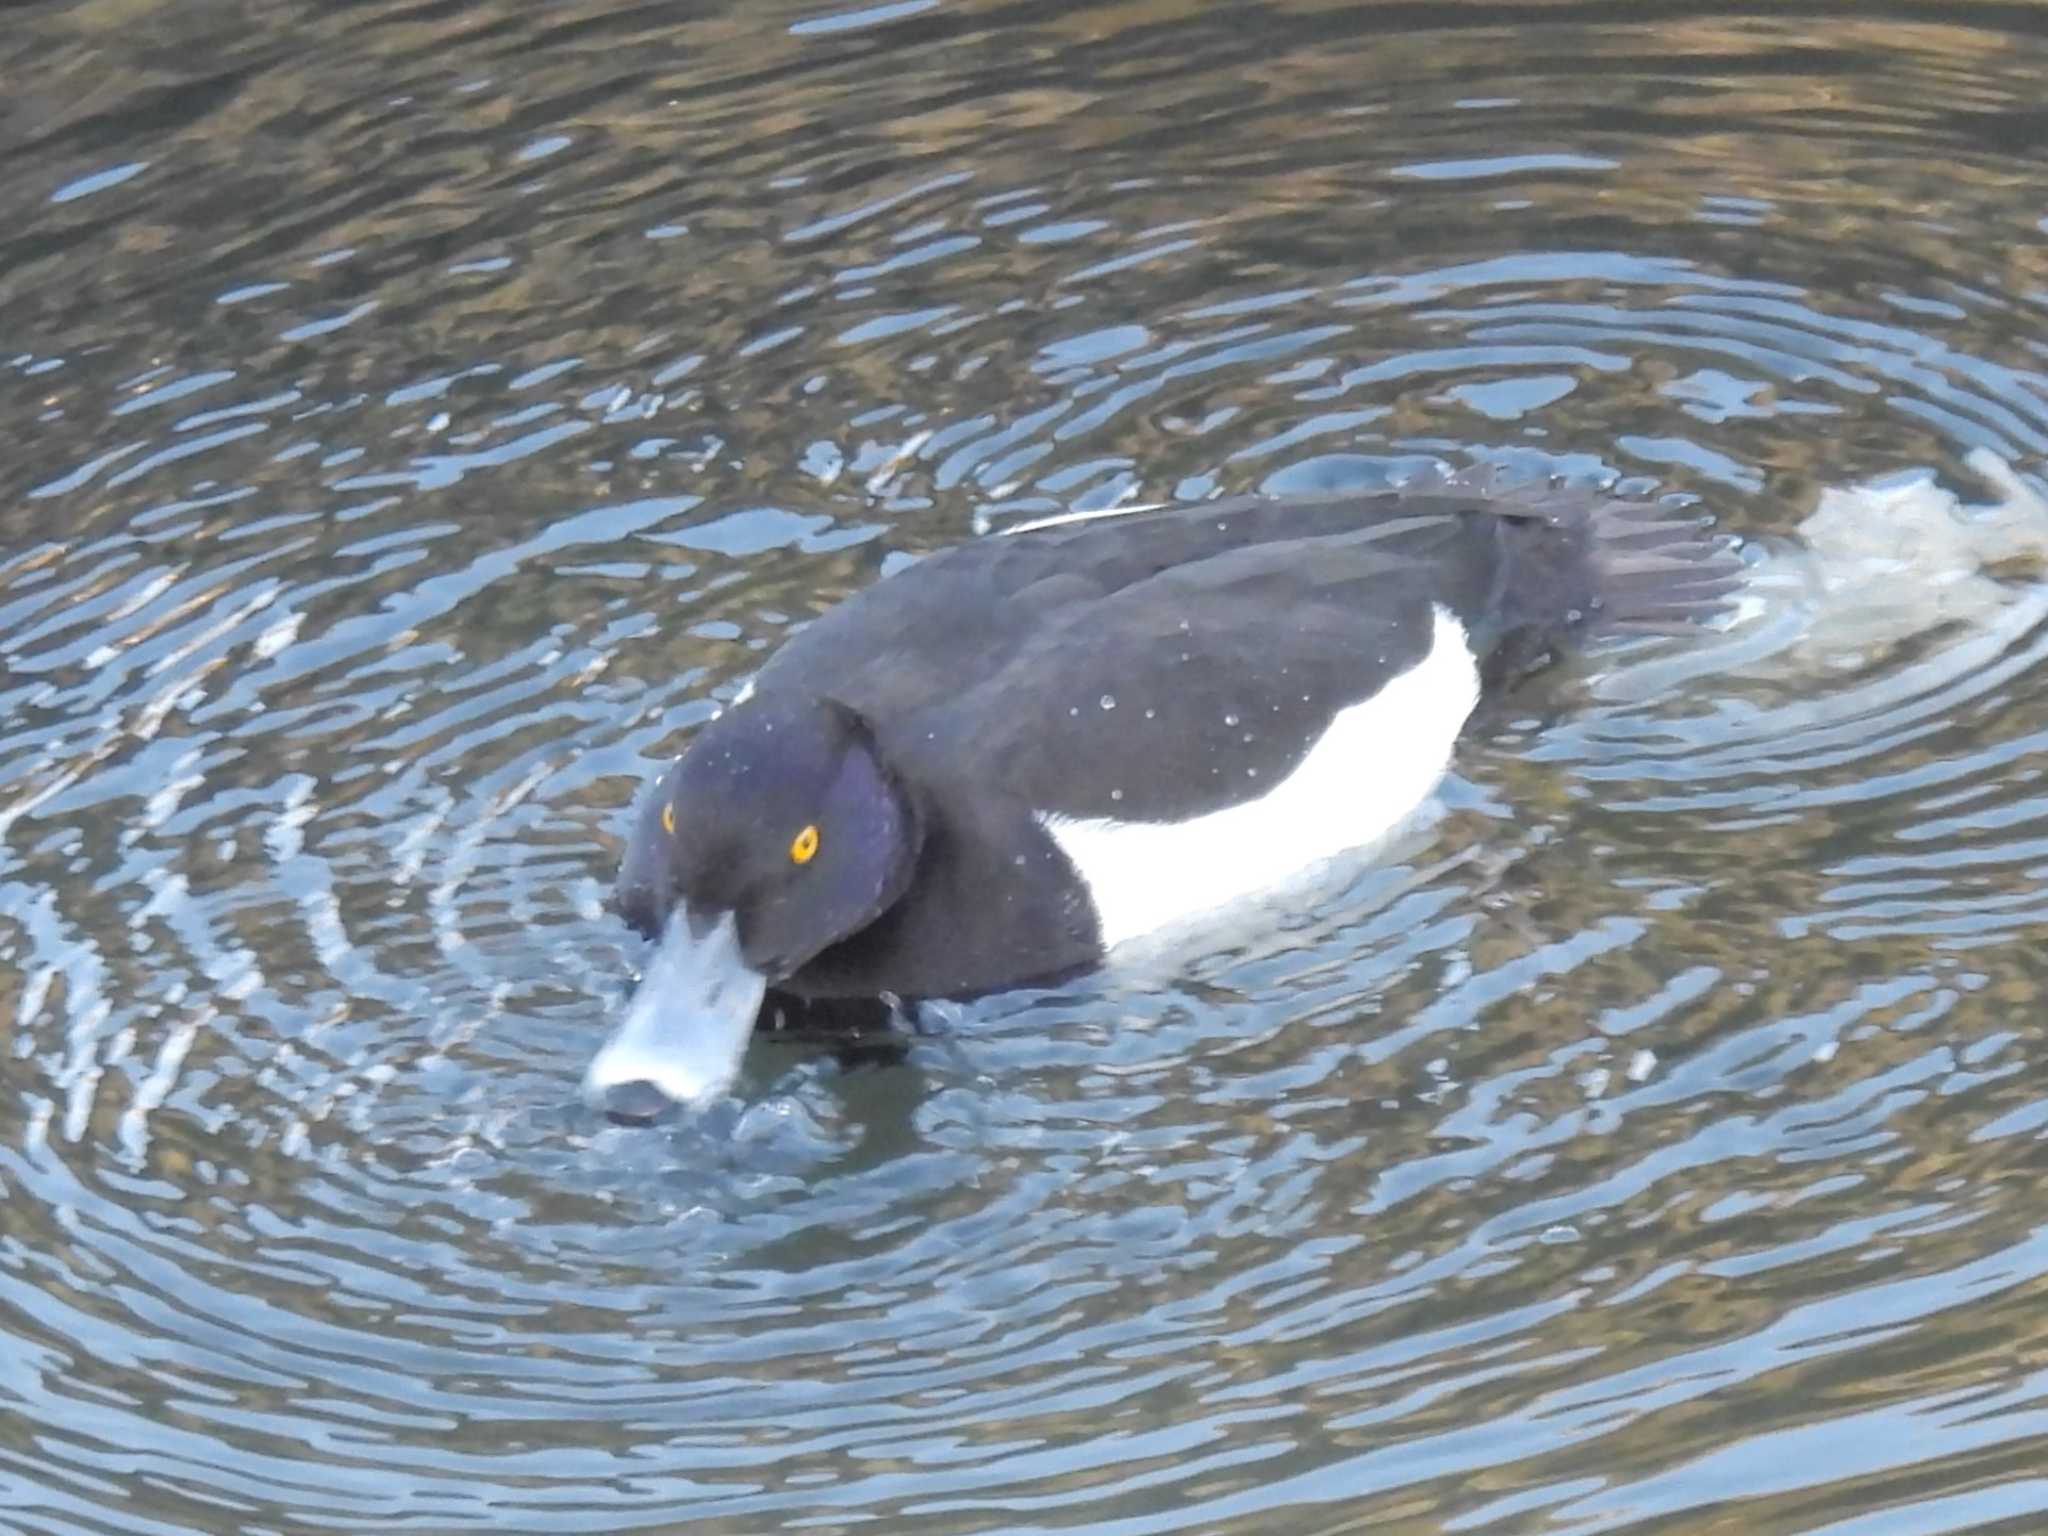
{"points": [[421, 417]]}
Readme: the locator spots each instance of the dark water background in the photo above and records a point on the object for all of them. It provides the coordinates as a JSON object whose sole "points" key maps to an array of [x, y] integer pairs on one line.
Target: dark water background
{"points": [[414, 416]]}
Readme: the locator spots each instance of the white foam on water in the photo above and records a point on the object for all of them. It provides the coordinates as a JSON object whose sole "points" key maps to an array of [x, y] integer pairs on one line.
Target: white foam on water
{"points": [[1873, 566]]}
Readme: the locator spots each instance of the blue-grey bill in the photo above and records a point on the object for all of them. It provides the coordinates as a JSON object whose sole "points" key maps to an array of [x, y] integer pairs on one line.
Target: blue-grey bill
{"points": [[686, 1029]]}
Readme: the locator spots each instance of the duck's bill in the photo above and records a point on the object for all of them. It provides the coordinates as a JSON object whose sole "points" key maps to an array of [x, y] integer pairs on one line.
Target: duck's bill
{"points": [[686, 1029]]}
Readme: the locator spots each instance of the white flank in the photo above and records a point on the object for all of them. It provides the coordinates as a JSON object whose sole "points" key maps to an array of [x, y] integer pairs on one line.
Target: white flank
{"points": [[1368, 773]]}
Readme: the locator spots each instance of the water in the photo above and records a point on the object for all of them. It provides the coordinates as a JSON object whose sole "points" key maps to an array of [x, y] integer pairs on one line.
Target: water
{"points": [[417, 417]]}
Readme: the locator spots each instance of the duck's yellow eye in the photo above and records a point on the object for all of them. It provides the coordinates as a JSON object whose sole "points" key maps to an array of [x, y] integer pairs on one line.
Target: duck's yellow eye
{"points": [[668, 820], [804, 846]]}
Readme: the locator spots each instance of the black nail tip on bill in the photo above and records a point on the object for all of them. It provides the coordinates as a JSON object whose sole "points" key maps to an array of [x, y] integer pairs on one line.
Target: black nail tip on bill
{"points": [[635, 1103]]}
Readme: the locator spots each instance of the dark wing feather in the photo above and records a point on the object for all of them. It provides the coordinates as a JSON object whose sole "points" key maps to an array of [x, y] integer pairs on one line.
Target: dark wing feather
{"points": [[958, 617], [1243, 618], [1183, 692]]}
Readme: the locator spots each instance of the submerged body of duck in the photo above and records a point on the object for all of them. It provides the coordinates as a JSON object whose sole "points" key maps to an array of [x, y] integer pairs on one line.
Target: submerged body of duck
{"points": [[1004, 761]]}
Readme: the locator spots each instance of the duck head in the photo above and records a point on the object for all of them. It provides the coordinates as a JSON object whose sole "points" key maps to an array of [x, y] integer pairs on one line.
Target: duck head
{"points": [[780, 832]]}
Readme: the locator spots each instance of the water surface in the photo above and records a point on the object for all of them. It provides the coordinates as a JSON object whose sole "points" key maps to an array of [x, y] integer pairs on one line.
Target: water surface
{"points": [[419, 416]]}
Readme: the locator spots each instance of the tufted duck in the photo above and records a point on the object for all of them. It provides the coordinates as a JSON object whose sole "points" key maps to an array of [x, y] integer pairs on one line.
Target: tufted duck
{"points": [[1005, 760]]}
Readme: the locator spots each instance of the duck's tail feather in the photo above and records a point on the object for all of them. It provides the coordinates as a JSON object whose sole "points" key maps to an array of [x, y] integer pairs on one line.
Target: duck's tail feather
{"points": [[1654, 573], [1625, 566]]}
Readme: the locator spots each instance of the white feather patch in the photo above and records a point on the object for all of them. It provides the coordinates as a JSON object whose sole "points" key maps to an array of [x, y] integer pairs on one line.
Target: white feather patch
{"points": [[1067, 519], [1368, 773]]}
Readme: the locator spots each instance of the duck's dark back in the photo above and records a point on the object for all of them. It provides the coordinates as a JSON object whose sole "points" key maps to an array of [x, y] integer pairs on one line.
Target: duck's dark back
{"points": [[1211, 632]]}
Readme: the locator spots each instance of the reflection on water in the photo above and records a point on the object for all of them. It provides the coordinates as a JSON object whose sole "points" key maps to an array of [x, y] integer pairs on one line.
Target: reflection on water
{"points": [[421, 417]]}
